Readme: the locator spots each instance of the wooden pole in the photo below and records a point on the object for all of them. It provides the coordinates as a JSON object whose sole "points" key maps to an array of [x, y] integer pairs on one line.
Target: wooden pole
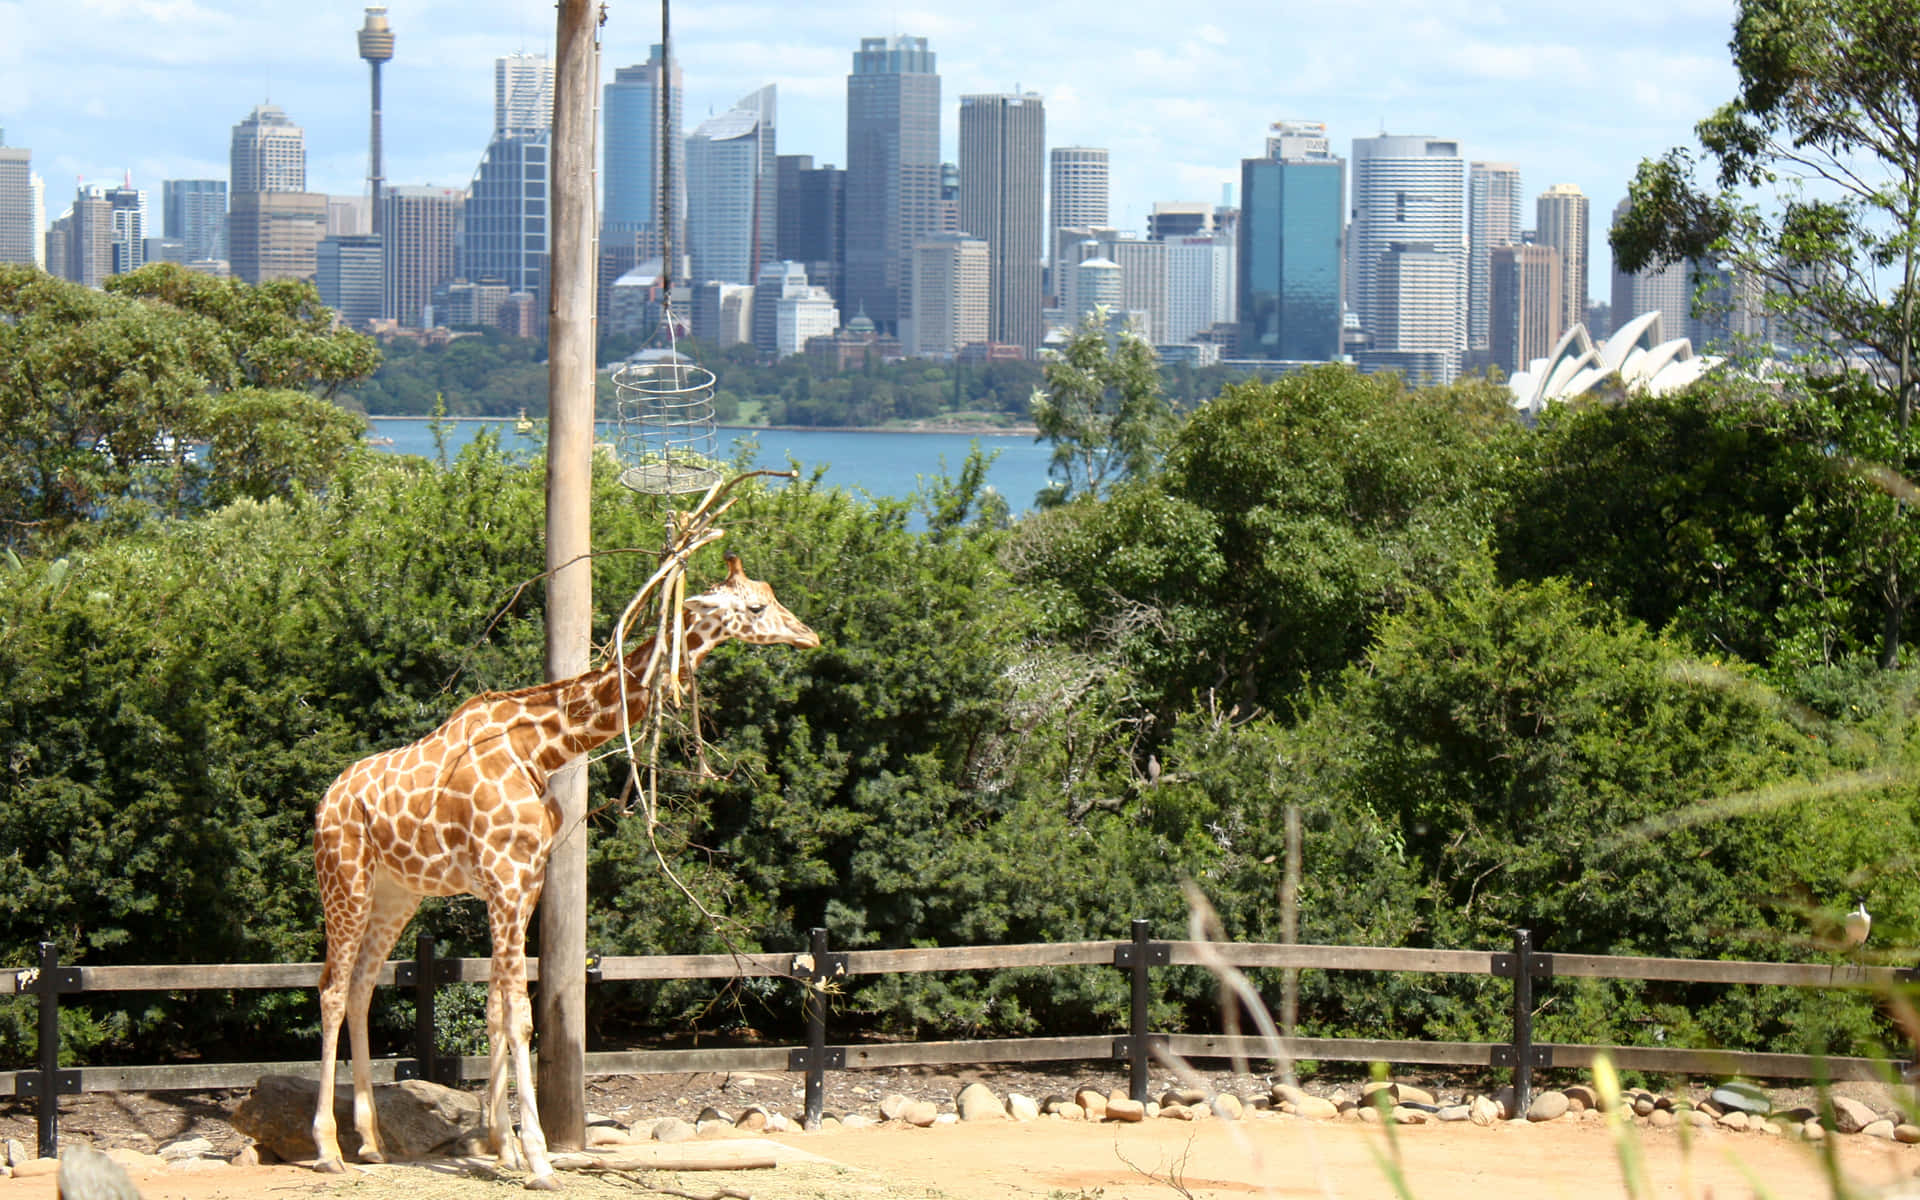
{"points": [[561, 1015]]}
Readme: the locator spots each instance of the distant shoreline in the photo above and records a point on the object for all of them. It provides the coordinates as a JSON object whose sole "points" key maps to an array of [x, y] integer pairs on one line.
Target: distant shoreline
{"points": [[956, 428]]}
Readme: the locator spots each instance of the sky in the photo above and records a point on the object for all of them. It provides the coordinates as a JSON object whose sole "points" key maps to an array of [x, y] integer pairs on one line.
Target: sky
{"points": [[1572, 91]]}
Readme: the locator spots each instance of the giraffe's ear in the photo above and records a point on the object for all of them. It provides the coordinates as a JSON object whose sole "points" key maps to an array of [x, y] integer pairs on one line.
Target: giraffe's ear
{"points": [[735, 572]]}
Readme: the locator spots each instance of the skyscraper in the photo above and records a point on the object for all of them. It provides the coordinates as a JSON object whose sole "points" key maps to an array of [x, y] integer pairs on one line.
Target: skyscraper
{"points": [[893, 172], [1668, 289], [18, 232], [1292, 205], [195, 211], [631, 117], [1002, 158], [522, 94], [1408, 190], [376, 47], [418, 246], [80, 245], [723, 197], [1524, 304], [274, 225], [764, 104], [1200, 284], [949, 294], [129, 205], [506, 231], [1560, 221], [1077, 189], [269, 153], [1493, 219], [347, 269], [812, 221]]}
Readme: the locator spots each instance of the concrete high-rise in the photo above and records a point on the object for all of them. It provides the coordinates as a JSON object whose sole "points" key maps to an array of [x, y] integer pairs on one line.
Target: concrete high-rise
{"points": [[1143, 280], [764, 104], [1560, 221], [631, 174], [195, 211], [1077, 195], [18, 229], [893, 172], [80, 244], [129, 205], [1201, 278], [376, 47], [418, 246], [723, 197], [347, 272], [1493, 219], [1524, 315], [1002, 201], [1417, 297], [949, 294], [1668, 289], [1407, 190], [522, 94], [268, 154], [1289, 247]]}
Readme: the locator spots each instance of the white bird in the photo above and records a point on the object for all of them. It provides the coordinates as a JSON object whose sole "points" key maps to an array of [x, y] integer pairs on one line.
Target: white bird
{"points": [[1859, 925]]}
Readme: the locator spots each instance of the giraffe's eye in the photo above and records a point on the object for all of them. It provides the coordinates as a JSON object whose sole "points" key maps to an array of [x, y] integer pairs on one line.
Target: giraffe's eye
{"points": [[756, 609]]}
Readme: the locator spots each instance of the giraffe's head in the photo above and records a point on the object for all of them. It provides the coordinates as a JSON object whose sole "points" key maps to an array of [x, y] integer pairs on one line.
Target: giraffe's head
{"points": [[746, 609]]}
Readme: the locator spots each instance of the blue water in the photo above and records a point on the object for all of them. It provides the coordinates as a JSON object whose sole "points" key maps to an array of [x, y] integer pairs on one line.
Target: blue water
{"points": [[881, 464]]}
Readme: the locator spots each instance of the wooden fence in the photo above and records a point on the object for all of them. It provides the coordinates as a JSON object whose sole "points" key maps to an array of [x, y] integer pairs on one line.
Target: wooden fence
{"points": [[818, 967]]}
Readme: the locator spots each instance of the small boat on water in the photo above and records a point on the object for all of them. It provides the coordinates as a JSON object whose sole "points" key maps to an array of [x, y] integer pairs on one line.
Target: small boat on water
{"points": [[523, 424]]}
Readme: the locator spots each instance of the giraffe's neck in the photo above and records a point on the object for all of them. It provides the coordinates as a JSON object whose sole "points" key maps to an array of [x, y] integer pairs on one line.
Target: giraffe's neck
{"points": [[586, 711]]}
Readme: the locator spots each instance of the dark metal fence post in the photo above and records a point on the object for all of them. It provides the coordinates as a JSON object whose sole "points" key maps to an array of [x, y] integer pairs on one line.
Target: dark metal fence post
{"points": [[47, 983], [425, 981], [1522, 1022], [817, 1029], [1142, 1002]]}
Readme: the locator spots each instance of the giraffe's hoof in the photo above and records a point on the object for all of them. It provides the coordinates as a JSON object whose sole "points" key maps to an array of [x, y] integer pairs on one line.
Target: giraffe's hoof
{"points": [[330, 1166], [370, 1155], [544, 1183]]}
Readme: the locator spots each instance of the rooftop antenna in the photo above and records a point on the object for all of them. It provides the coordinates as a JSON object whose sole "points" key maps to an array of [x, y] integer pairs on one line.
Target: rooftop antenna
{"points": [[663, 400]]}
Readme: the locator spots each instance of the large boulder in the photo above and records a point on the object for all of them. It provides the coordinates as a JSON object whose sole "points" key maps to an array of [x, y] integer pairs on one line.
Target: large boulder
{"points": [[416, 1118], [87, 1174]]}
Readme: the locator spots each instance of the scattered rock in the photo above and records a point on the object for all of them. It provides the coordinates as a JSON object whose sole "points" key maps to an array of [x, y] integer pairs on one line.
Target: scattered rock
{"points": [[1227, 1106], [185, 1148], [753, 1119], [1406, 1093], [249, 1156], [1483, 1111], [893, 1106], [923, 1113], [1454, 1112], [87, 1174], [1813, 1131], [857, 1121], [1580, 1097], [1548, 1106], [1696, 1118], [1882, 1129], [1188, 1097], [14, 1153], [712, 1116], [1645, 1106], [1022, 1108], [1125, 1109], [1176, 1112], [416, 1118], [607, 1135], [671, 1129], [1745, 1097], [1735, 1120], [1368, 1113], [1092, 1101], [1661, 1118], [976, 1102], [1406, 1114], [1906, 1133], [1315, 1108], [1851, 1116]]}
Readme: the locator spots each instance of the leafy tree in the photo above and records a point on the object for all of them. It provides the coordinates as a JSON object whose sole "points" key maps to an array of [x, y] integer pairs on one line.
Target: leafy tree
{"points": [[1826, 116], [107, 394], [1103, 411], [1721, 514]]}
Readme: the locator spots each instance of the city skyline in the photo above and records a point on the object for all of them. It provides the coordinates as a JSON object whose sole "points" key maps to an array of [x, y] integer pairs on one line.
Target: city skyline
{"points": [[1178, 108]]}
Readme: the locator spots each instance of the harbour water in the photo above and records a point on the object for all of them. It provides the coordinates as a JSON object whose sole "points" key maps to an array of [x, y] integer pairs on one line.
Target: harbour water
{"points": [[880, 464]]}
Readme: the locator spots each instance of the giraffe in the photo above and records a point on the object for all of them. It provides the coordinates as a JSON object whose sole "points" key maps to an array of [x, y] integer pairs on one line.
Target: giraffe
{"points": [[464, 811]]}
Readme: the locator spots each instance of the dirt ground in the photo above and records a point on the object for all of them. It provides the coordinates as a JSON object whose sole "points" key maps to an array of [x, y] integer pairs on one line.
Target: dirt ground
{"points": [[1045, 1160]]}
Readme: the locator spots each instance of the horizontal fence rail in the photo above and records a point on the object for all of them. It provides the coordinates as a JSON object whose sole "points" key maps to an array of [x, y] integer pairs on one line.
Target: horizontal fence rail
{"points": [[818, 967]]}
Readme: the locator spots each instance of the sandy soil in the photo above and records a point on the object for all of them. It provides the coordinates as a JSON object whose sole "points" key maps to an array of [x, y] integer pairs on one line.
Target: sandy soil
{"points": [[1053, 1160]]}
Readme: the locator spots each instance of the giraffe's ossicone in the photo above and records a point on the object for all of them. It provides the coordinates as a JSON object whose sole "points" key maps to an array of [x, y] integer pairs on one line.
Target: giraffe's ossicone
{"points": [[464, 810]]}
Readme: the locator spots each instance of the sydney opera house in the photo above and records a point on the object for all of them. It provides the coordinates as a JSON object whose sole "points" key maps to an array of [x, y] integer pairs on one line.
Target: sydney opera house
{"points": [[1638, 359]]}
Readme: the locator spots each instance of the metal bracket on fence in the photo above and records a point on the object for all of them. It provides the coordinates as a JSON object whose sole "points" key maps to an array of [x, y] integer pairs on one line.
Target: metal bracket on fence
{"points": [[406, 1068], [1539, 966], [26, 1084], [1503, 1056], [1123, 1046], [1156, 954], [832, 1058]]}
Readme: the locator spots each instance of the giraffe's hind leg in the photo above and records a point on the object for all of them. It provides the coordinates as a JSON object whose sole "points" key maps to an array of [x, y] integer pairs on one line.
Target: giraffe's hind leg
{"points": [[391, 908]]}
